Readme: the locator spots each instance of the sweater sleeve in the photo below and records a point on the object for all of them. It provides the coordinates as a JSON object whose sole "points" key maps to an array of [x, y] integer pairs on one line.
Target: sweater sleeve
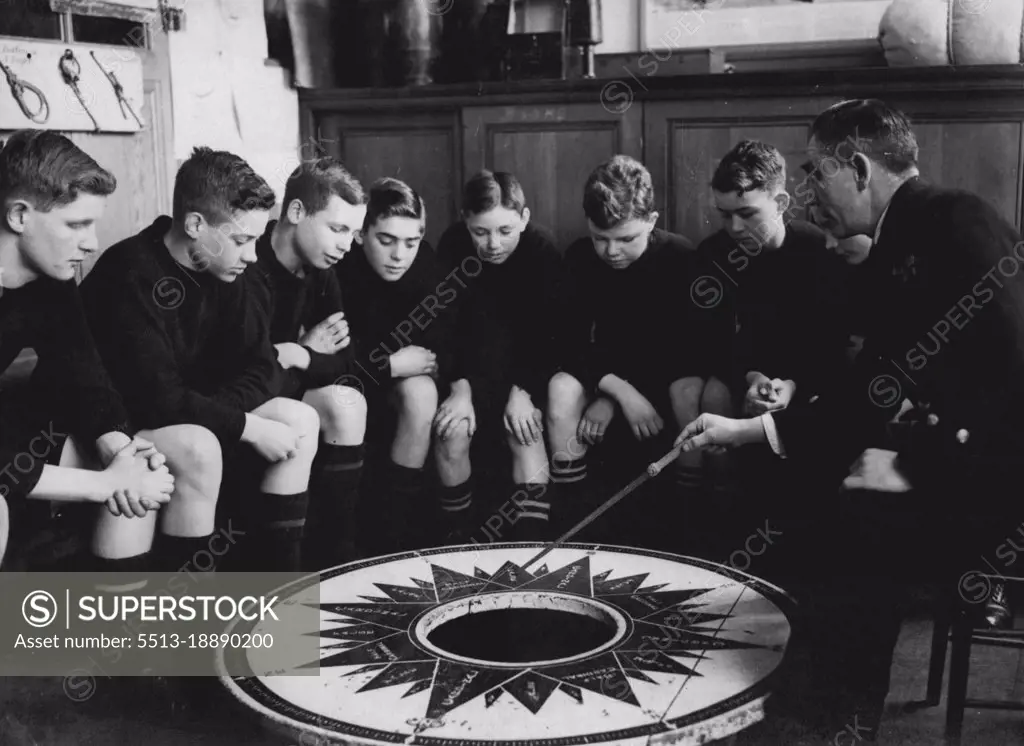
{"points": [[72, 371], [257, 374], [326, 369], [141, 356]]}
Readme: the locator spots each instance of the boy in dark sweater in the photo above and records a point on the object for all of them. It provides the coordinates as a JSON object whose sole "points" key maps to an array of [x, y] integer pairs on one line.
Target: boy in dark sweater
{"points": [[324, 208], [508, 349], [397, 299], [786, 288], [647, 350], [67, 437], [185, 340]]}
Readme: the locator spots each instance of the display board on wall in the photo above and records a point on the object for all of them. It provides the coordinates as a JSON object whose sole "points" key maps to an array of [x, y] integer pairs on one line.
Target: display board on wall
{"points": [[69, 87], [678, 25]]}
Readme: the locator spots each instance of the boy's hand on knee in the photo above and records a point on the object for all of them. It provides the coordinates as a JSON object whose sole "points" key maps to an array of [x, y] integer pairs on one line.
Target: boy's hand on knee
{"points": [[274, 441], [146, 450], [127, 503], [643, 418], [595, 421], [453, 410], [523, 421], [413, 361]]}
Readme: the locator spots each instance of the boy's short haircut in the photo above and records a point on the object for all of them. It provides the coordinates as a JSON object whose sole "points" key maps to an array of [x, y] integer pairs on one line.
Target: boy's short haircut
{"points": [[750, 166], [314, 183], [487, 190], [48, 170], [391, 198], [217, 184], [618, 190]]}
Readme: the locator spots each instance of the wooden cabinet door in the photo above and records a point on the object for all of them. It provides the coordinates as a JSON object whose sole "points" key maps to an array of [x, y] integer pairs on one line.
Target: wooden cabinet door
{"points": [[686, 140], [976, 147], [421, 149], [551, 149]]}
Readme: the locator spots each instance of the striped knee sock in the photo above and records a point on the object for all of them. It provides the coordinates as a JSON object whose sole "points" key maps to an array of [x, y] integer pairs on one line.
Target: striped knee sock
{"points": [[689, 477], [334, 498], [568, 471], [401, 502], [456, 500], [532, 520], [131, 573], [275, 543], [184, 553]]}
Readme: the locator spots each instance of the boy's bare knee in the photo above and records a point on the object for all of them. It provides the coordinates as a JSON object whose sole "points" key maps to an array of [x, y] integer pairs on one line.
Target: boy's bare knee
{"points": [[566, 396], [716, 397], [298, 415], [341, 408], [686, 391], [417, 397], [192, 449], [456, 446]]}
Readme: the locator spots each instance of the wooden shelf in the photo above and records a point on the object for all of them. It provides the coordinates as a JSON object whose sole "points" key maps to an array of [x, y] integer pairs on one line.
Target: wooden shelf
{"points": [[949, 81]]}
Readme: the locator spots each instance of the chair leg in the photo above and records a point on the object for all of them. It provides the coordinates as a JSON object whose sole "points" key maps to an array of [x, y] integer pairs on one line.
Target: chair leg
{"points": [[937, 662], [959, 665]]}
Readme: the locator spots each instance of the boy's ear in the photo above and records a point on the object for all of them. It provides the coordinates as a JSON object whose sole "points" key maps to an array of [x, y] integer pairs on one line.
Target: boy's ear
{"points": [[295, 211], [16, 215], [653, 218], [782, 201], [194, 222], [526, 216]]}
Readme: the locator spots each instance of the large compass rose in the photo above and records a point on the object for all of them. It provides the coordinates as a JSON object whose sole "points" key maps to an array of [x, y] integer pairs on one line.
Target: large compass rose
{"points": [[668, 633]]}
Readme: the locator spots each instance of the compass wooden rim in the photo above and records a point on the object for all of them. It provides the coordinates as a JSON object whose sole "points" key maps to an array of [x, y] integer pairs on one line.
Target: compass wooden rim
{"points": [[716, 721]]}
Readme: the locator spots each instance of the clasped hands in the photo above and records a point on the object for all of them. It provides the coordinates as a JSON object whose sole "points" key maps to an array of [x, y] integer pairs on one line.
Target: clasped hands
{"points": [[139, 477], [767, 394]]}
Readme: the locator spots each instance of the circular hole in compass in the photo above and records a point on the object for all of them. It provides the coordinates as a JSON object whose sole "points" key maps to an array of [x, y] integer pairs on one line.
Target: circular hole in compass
{"points": [[508, 629]]}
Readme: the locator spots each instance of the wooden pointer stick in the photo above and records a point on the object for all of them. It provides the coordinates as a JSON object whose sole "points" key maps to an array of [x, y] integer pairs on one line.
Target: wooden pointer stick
{"points": [[652, 470]]}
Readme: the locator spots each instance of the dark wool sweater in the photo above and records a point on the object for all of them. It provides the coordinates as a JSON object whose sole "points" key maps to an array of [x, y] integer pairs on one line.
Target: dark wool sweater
{"points": [[296, 304], [790, 304], [509, 314], [47, 316], [418, 309], [640, 323], [181, 346]]}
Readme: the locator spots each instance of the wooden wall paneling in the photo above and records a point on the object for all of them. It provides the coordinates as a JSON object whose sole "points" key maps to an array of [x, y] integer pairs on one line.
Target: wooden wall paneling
{"points": [[551, 149], [978, 146], [685, 141], [970, 121], [421, 149], [982, 157]]}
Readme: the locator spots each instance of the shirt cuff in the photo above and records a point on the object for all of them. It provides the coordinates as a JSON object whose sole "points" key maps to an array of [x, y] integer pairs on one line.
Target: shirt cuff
{"points": [[772, 434]]}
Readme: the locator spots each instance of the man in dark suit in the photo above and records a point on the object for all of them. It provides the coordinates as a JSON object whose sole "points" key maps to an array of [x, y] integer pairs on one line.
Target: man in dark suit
{"points": [[944, 329]]}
